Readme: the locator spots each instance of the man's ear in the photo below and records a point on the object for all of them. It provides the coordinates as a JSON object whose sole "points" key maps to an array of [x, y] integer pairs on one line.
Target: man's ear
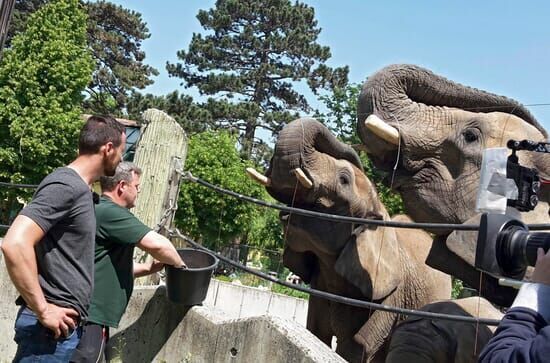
{"points": [[107, 148]]}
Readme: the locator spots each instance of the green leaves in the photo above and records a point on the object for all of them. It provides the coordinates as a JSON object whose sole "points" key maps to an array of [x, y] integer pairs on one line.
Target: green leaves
{"points": [[114, 35], [42, 78], [206, 215]]}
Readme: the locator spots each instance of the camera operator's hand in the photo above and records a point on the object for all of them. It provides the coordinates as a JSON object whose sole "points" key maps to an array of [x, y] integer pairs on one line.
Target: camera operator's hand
{"points": [[542, 268]]}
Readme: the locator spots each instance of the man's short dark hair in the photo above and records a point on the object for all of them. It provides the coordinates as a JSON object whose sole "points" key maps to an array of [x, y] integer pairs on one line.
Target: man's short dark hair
{"points": [[98, 131], [124, 171]]}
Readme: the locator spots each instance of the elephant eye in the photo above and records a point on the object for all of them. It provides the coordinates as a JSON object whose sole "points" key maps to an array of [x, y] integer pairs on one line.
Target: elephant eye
{"points": [[344, 179], [470, 136]]}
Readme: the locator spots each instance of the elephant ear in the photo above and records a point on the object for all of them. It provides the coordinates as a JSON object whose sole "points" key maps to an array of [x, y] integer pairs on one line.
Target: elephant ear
{"points": [[302, 264], [371, 262]]}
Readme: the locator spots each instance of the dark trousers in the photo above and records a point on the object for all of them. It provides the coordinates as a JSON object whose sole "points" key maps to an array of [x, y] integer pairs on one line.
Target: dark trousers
{"points": [[91, 348]]}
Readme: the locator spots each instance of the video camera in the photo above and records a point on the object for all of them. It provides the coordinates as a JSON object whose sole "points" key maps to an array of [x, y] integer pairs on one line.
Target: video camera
{"points": [[505, 247]]}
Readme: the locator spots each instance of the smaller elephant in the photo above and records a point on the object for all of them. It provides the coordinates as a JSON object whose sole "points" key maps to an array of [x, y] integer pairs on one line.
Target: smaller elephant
{"points": [[311, 169], [422, 340]]}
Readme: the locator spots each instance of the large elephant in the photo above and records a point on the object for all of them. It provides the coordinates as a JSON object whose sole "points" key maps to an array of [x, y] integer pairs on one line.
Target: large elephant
{"points": [[442, 341], [436, 131], [311, 169]]}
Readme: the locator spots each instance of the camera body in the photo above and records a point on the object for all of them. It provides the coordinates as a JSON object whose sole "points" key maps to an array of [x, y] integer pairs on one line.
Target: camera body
{"points": [[505, 247], [527, 180]]}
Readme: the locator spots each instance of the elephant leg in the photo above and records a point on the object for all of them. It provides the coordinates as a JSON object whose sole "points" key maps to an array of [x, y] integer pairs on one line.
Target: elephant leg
{"points": [[318, 321], [443, 259]]}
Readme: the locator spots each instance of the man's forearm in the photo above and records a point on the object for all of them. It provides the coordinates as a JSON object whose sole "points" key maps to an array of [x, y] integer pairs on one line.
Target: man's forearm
{"points": [[166, 253], [161, 249], [21, 265], [141, 269]]}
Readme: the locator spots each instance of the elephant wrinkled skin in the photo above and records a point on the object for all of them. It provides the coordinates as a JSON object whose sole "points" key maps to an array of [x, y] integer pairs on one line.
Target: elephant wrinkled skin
{"points": [[311, 169], [436, 130]]}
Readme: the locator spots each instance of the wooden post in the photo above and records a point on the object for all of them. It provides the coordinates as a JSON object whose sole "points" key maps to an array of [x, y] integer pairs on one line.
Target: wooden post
{"points": [[160, 153]]}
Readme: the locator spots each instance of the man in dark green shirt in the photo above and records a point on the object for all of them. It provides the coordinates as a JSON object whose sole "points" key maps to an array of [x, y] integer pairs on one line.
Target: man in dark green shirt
{"points": [[118, 232]]}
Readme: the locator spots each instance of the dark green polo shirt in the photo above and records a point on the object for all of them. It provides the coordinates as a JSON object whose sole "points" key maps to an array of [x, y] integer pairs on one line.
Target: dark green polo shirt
{"points": [[118, 231]]}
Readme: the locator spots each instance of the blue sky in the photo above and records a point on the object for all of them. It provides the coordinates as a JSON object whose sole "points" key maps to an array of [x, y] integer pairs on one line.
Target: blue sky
{"points": [[498, 46]]}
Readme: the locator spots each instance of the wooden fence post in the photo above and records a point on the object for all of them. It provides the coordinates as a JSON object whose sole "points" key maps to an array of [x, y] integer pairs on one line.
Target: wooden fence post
{"points": [[160, 153]]}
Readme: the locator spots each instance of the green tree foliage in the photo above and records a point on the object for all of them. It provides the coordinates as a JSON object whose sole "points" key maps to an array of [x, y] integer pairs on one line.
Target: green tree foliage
{"points": [[340, 118], [266, 230], [210, 217], [457, 287], [254, 54], [114, 36], [42, 78], [20, 16], [341, 113], [190, 115]]}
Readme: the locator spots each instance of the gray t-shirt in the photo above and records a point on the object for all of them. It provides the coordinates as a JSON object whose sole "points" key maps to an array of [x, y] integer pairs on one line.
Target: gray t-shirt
{"points": [[63, 207]]}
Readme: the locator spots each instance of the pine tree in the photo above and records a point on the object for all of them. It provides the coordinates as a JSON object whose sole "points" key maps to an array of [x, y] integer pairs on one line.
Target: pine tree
{"points": [[254, 55], [191, 116]]}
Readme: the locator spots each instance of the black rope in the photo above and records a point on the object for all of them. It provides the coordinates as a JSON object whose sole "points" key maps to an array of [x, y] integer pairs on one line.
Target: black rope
{"points": [[338, 298], [22, 186], [355, 220]]}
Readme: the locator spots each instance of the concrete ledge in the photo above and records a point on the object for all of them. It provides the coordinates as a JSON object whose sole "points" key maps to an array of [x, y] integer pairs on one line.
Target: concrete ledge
{"points": [[154, 329]]}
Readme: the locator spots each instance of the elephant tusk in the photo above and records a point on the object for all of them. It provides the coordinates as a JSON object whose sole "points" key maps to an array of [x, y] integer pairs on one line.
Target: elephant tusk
{"points": [[382, 129], [303, 179], [260, 178]]}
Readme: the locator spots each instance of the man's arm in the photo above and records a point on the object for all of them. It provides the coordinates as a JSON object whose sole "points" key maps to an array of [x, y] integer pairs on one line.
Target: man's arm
{"points": [[144, 269], [18, 249], [161, 249]]}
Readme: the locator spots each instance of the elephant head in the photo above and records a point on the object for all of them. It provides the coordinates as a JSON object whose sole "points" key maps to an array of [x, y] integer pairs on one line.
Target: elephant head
{"points": [[311, 169], [436, 130]]}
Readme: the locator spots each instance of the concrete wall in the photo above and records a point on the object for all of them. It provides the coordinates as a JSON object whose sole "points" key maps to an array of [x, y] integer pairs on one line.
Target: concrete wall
{"points": [[243, 301], [154, 329]]}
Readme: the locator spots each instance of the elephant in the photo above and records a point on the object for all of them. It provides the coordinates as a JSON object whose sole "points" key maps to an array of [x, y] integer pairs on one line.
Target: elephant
{"points": [[422, 340], [436, 130], [311, 169]]}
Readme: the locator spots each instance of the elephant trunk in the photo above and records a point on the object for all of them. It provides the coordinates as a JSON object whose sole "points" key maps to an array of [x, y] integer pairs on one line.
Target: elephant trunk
{"points": [[397, 92], [295, 147]]}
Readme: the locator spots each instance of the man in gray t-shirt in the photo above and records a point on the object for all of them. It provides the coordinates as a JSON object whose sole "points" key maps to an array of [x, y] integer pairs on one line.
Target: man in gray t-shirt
{"points": [[49, 247], [63, 206]]}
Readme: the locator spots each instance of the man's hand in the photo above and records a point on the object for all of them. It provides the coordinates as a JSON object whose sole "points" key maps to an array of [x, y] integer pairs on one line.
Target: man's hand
{"points": [[156, 266], [58, 319], [182, 265], [541, 274]]}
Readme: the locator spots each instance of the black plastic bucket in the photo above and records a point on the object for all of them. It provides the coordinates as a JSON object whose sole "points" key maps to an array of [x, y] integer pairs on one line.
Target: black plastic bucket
{"points": [[189, 286]]}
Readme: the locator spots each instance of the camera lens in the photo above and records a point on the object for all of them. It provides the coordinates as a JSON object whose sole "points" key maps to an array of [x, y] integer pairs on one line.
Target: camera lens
{"points": [[510, 250]]}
